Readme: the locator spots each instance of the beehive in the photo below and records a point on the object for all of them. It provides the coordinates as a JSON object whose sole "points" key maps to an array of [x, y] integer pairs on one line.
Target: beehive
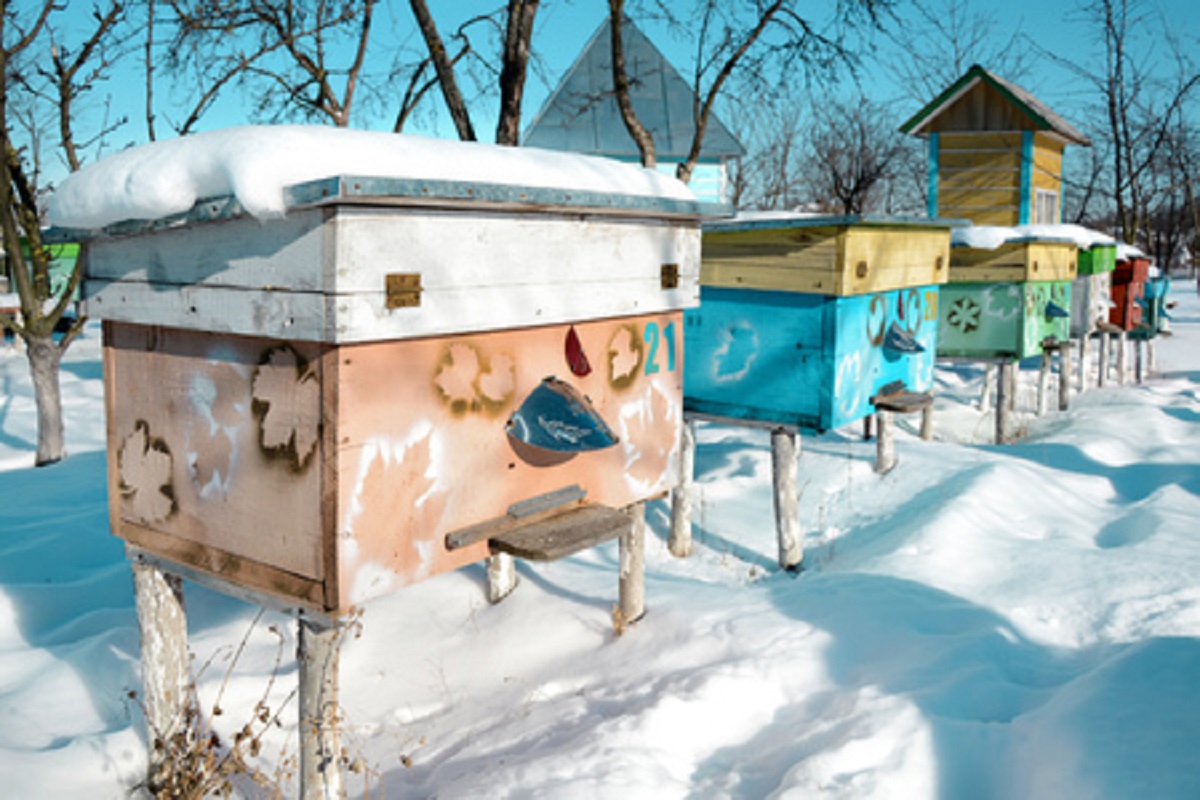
{"points": [[1006, 302], [314, 407], [803, 319]]}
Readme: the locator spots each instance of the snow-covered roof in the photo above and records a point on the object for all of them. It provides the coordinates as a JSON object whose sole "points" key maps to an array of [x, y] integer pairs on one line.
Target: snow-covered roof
{"points": [[581, 114], [255, 164], [1128, 251], [989, 237]]}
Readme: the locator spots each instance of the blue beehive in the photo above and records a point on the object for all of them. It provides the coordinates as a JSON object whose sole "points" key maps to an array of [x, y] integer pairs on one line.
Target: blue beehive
{"points": [[804, 319]]}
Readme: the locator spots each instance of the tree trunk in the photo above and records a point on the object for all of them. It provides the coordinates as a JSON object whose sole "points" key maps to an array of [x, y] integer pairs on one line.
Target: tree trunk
{"points": [[512, 74], [44, 357], [637, 131]]}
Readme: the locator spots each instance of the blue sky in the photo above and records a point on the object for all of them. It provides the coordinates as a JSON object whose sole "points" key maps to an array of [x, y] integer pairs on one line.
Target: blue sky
{"points": [[564, 27]]}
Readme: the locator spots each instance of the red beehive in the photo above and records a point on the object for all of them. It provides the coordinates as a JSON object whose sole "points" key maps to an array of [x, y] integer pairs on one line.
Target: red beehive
{"points": [[1129, 287]]}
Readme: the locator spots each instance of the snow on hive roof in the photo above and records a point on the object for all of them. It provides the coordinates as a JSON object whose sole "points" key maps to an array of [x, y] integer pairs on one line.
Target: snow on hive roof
{"points": [[581, 114], [1035, 110], [989, 237], [255, 164]]}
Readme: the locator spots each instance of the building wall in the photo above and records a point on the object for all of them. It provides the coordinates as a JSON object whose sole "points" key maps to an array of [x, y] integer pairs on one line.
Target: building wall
{"points": [[994, 178]]}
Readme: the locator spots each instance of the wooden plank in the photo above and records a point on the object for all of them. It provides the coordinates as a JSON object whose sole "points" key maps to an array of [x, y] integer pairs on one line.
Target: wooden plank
{"points": [[501, 526], [959, 140], [226, 566], [328, 449], [802, 248], [982, 216], [564, 534], [881, 259], [1014, 261], [355, 318], [198, 456], [1004, 159], [903, 401]]}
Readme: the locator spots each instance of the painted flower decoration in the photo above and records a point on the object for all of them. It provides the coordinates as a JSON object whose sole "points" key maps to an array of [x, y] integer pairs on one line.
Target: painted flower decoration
{"points": [[964, 314], [1003, 301]]}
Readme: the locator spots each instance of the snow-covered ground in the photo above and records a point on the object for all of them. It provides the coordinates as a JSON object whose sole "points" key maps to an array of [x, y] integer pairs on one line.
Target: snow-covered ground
{"points": [[983, 622]]}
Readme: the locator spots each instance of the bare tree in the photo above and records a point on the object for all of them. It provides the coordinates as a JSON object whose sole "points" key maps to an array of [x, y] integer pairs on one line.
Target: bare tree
{"points": [[941, 39], [281, 52], [763, 40], [25, 44], [854, 158], [1140, 106], [516, 33]]}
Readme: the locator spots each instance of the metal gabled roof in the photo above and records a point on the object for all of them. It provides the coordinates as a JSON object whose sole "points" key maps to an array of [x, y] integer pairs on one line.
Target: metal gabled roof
{"points": [[581, 114], [1035, 110]]}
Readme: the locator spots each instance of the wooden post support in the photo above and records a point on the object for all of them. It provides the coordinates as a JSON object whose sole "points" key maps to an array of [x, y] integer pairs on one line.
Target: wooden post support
{"points": [[867, 427], [631, 551], [1064, 377], [785, 471], [1139, 366], [1043, 386], [680, 540], [1151, 357], [501, 577], [1014, 380], [927, 423], [1122, 358], [885, 443], [1003, 407], [985, 395], [162, 624], [317, 651], [1105, 357], [1084, 362]]}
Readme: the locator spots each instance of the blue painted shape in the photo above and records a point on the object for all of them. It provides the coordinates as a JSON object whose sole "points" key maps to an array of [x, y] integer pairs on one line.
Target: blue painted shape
{"points": [[1026, 176], [931, 193], [1055, 311], [808, 360], [897, 340], [556, 417]]}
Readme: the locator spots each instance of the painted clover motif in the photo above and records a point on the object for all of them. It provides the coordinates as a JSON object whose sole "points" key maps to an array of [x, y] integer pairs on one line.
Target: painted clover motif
{"points": [[964, 314], [286, 393]]}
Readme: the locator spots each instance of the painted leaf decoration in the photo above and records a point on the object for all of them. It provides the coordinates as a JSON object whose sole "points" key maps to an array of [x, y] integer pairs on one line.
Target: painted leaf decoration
{"points": [[292, 399], [145, 469], [576, 358], [624, 356]]}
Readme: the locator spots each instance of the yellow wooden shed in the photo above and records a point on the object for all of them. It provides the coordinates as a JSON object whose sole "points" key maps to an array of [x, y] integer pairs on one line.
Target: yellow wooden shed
{"points": [[995, 152]]}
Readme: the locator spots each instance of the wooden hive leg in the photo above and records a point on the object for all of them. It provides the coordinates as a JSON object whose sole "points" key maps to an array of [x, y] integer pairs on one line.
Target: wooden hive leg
{"points": [[1139, 366], [501, 577], [1151, 357], [785, 472], [162, 623], [1084, 366], [1122, 358], [1003, 407], [631, 551], [1105, 357], [885, 444], [867, 420], [927, 423], [1043, 386], [985, 394], [680, 539], [1064, 377], [317, 651]]}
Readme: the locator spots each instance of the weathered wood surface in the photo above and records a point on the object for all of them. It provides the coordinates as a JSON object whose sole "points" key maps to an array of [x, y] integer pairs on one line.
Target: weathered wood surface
{"points": [[785, 473], [903, 401], [1014, 261], [562, 535], [320, 274], [501, 576], [680, 537], [631, 554], [318, 655], [845, 260], [885, 445], [1004, 387], [162, 623]]}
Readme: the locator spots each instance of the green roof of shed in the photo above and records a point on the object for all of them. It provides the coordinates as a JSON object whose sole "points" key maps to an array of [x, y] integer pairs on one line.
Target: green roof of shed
{"points": [[1039, 115], [581, 114]]}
